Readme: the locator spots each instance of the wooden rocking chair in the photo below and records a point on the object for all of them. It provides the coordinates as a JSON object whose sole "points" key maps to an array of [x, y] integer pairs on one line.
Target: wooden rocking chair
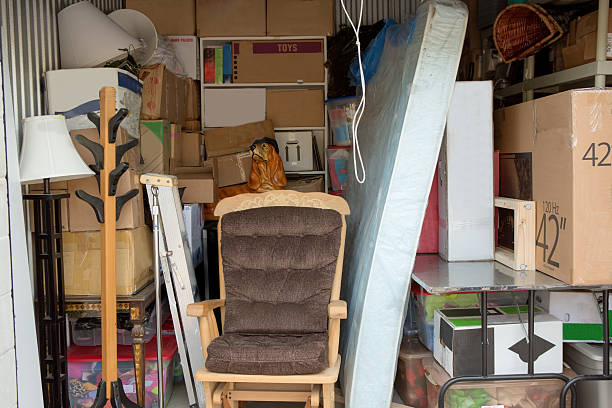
{"points": [[280, 268]]}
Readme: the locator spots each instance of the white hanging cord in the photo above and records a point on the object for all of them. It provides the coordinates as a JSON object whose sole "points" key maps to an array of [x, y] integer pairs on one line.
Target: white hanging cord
{"points": [[361, 106]]}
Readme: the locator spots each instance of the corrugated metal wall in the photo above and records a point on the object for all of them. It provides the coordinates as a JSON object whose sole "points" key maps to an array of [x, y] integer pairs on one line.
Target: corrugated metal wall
{"points": [[31, 27], [375, 10]]}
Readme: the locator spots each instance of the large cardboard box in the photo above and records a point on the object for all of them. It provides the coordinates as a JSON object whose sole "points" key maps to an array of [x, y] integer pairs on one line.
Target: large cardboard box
{"points": [[171, 17], [164, 95], [278, 61], [236, 139], [297, 107], [82, 262], [200, 187], [132, 156], [243, 18], [457, 341], [579, 312], [232, 169], [465, 175], [582, 41], [554, 150], [155, 146], [233, 107], [191, 149], [193, 101], [186, 49], [300, 17], [83, 218]]}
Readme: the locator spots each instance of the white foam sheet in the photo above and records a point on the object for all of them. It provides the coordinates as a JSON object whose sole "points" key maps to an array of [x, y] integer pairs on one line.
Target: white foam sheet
{"points": [[400, 137]]}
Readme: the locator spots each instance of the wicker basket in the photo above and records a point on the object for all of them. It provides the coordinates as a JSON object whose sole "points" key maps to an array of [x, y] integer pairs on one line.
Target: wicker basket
{"points": [[522, 29]]}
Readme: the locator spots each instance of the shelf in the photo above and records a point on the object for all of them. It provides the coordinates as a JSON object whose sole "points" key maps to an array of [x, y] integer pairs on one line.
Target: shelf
{"points": [[265, 85], [299, 128], [566, 77], [303, 37]]}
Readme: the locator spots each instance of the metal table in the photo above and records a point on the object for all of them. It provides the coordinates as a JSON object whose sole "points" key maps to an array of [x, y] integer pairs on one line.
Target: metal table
{"points": [[439, 277]]}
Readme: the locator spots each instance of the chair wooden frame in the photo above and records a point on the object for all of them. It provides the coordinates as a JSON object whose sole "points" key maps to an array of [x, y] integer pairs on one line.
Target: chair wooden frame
{"points": [[227, 390]]}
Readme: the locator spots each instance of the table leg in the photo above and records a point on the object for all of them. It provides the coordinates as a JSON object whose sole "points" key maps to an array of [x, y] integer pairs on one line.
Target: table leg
{"points": [[138, 350], [531, 331]]}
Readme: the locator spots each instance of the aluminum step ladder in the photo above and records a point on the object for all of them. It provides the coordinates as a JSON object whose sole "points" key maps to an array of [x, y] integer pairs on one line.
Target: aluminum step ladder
{"points": [[179, 277]]}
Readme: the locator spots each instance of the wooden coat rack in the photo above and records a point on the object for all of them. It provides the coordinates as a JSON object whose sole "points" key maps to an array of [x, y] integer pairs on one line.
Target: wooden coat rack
{"points": [[109, 169]]}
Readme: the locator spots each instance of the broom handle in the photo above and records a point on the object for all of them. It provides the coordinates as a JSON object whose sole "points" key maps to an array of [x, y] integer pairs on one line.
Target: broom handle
{"points": [[109, 273]]}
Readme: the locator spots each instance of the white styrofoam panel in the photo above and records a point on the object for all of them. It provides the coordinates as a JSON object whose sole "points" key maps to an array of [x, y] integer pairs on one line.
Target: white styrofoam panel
{"points": [[400, 137], [233, 107], [465, 181]]}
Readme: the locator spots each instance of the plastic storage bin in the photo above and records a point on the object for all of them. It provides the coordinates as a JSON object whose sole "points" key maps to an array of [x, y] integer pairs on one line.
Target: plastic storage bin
{"points": [[85, 372], [341, 114], [515, 394], [337, 160], [586, 358], [410, 381]]}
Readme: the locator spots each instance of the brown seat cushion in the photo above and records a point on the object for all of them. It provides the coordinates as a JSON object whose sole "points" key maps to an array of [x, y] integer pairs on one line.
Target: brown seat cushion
{"points": [[278, 267], [268, 354]]}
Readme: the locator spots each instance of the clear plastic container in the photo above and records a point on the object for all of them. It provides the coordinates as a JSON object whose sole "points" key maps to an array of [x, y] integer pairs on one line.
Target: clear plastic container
{"points": [[85, 372], [524, 393], [410, 382], [341, 113], [337, 161]]}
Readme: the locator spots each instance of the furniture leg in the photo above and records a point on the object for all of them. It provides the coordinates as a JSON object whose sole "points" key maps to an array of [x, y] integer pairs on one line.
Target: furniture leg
{"points": [[328, 396], [138, 350], [484, 335], [209, 388], [530, 332]]}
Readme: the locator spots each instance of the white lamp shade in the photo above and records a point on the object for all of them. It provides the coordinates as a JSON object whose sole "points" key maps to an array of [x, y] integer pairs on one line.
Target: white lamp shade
{"points": [[48, 152], [138, 26], [89, 38]]}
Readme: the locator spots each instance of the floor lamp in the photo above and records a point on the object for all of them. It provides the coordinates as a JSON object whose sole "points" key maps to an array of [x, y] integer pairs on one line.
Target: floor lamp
{"points": [[47, 155]]}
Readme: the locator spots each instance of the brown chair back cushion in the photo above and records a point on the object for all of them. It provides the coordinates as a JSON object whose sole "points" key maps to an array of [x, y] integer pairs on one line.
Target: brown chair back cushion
{"points": [[278, 266]]}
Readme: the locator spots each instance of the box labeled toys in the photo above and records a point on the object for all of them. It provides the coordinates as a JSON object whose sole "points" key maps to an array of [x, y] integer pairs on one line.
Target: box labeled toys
{"points": [[555, 151]]}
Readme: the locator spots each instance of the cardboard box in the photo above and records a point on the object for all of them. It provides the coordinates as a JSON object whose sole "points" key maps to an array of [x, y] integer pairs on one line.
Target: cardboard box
{"points": [[465, 175], [56, 187], [457, 341], [155, 146], [132, 156], [579, 312], [194, 223], [171, 17], [83, 218], [299, 108], [236, 139], [588, 24], [582, 41], [192, 149], [278, 61], [186, 49], [164, 95], [192, 126], [233, 107], [76, 92], [82, 263], [232, 169], [199, 187], [307, 185], [193, 100], [295, 150], [231, 18], [176, 142], [300, 17], [554, 151]]}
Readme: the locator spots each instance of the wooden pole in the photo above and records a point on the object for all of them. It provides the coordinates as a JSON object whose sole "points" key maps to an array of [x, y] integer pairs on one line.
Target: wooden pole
{"points": [[109, 273]]}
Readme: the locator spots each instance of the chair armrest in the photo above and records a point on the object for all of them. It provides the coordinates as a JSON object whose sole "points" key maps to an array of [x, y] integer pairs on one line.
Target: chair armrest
{"points": [[202, 308], [337, 309]]}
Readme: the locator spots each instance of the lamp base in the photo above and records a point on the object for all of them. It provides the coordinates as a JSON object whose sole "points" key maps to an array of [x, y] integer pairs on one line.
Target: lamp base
{"points": [[118, 398]]}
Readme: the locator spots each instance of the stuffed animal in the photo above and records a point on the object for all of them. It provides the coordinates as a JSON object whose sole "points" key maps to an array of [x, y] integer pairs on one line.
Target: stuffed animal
{"points": [[267, 172]]}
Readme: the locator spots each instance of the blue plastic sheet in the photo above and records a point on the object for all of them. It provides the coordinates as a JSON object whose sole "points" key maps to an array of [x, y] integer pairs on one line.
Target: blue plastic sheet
{"points": [[371, 57], [400, 136]]}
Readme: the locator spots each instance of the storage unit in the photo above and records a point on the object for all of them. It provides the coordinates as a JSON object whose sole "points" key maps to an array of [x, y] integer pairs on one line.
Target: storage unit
{"points": [[587, 359], [85, 372], [292, 71]]}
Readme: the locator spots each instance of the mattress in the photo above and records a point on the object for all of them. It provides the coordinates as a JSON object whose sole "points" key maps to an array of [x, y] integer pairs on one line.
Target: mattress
{"points": [[400, 137]]}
